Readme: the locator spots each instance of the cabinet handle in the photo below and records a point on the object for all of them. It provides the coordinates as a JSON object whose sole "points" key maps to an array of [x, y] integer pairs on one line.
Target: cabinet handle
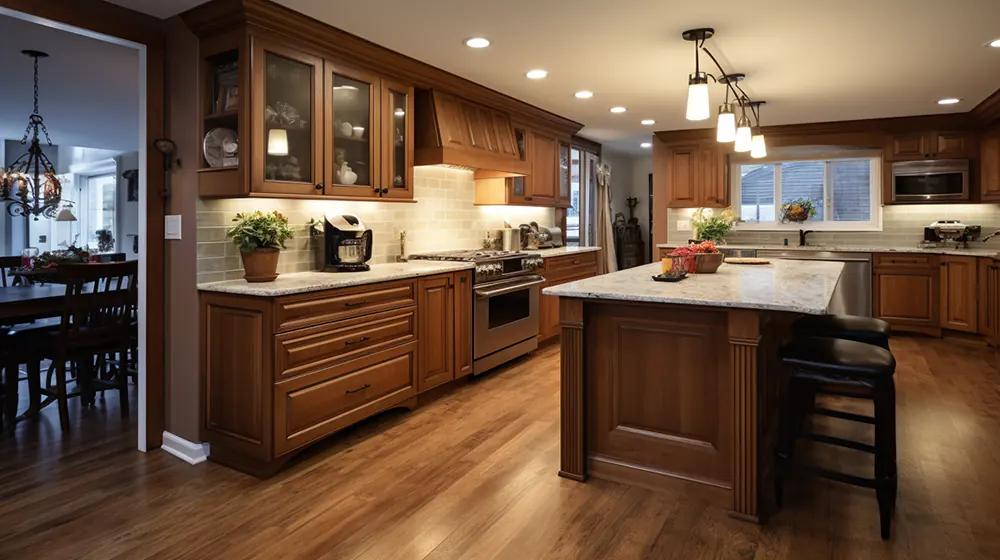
{"points": [[358, 390], [462, 279], [385, 191], [356, 303], [577, 261], [527, 198], [358, 341], [319, 186]]}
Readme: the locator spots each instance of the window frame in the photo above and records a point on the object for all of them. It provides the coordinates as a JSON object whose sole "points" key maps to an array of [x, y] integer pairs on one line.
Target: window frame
{"points": [[875, 192]]}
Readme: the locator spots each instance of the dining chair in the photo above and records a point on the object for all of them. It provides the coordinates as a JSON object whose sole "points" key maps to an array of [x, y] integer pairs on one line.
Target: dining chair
{"points": [[6, 264], [96, 315]]}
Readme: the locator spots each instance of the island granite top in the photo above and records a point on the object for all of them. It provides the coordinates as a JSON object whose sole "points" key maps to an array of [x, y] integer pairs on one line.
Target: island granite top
{"points": [[973, 251], [791, 286], [302, 282]]}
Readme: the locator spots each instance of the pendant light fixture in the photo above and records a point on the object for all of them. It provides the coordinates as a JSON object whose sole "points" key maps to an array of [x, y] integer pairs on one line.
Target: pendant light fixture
{"points": [[726, 128], [758, 148], [30, 186], [697, 101], [744, 136]]}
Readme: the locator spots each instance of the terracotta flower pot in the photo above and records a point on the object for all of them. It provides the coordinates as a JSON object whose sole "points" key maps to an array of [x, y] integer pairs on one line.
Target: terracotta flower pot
{"points": [[260, 265]]}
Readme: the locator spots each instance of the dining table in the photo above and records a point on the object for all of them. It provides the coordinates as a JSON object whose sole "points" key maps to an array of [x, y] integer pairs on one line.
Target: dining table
{"points": [[23, 304]]}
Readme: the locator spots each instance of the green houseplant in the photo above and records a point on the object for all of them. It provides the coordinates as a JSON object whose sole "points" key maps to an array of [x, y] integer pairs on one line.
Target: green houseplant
{"points": [[712, 226], [260, 236]]}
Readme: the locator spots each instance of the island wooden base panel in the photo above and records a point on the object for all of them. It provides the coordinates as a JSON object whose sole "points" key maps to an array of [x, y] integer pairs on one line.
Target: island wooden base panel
{"points": [[472, 475]]}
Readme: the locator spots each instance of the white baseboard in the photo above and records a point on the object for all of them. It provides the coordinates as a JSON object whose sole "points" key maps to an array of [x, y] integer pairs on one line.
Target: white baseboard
{"points": [[189, 452]]}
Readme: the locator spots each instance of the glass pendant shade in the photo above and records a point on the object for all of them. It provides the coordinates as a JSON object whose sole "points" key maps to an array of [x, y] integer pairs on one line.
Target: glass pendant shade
{"points": [[743, 135], [727, 124], [697, 103], [758, 148], [277, 142]]}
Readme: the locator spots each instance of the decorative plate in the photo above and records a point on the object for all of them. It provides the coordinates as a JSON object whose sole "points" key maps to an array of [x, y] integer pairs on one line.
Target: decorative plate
{"points": [[216, 144], [675, 277]]}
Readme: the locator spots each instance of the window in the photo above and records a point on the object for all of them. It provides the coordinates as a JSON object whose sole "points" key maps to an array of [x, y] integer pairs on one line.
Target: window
{"points": [[844, 191], [581, 214]]}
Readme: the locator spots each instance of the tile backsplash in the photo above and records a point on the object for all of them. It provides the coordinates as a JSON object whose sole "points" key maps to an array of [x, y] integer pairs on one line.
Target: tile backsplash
{"points": [[442, 218], [902, 225]]}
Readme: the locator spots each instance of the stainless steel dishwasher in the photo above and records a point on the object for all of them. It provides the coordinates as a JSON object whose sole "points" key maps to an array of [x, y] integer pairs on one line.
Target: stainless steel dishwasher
{"points": [[853, 295]]}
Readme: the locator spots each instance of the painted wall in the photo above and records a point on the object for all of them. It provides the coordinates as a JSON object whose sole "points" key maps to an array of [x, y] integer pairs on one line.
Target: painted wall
{"points": [[443, 218]]}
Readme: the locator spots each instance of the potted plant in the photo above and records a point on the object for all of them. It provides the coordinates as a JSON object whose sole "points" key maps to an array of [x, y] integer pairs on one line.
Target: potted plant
{"points": [[260, 236], [798, 210], [105, 241], [711, 226]]}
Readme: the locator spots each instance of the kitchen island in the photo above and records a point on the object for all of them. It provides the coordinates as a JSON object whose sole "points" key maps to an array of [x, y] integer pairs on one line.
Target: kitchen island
{"points": [[676, 385]]}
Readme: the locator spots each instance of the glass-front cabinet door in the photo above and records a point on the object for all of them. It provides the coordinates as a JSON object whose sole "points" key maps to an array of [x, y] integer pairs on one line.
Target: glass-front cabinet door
{"points": [[563, 170], [397, 140], [352, 137], [287, 122]]}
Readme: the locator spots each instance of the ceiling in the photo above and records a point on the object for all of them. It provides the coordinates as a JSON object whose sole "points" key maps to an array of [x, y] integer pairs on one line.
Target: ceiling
{"points": [[88, 89], [812, 61]]}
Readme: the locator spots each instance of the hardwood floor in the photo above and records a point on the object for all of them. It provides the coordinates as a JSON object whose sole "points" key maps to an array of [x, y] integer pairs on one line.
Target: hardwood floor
{"points": [[473, 475]]}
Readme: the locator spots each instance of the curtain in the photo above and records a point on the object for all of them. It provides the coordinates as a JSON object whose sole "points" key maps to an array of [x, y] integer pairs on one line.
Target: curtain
{"points": [[605, 231]]}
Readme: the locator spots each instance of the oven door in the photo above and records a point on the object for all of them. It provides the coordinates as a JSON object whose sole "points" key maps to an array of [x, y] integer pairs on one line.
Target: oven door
{"points": [[506, 312], [930, 181]]}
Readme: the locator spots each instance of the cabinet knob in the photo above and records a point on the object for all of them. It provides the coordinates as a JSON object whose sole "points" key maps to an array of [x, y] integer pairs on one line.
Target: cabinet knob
{"points": [[319, 186], [385, 191]]}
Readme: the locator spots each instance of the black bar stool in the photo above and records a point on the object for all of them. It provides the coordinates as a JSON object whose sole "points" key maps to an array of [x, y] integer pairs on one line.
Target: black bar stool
{"points": [[842, 363], [847, 327]]}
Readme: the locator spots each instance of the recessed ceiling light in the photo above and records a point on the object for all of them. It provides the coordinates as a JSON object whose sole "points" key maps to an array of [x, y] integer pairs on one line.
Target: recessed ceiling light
{"points": [[584, 94], [995, 43], [648, 122], [645, 145], [618, 109], [477, 42], [949, 101], [536, 74]]}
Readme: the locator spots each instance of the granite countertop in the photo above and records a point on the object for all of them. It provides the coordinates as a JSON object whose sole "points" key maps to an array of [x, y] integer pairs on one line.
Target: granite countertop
{"points": [[792, 286], [562, 251], [984, 252], [302, 282]]}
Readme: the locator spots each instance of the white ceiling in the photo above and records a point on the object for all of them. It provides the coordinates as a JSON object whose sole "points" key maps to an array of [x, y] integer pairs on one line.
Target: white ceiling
{"points": [[812, 61], [88, 89]]}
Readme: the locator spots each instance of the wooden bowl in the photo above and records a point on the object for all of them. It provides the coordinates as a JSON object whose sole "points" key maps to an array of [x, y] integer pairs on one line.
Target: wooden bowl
{"points": [[708, 263]]}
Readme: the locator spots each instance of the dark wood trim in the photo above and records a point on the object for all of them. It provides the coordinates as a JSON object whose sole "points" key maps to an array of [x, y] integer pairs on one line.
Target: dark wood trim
{"points": [[586, 145], [987, 113], [220, 15], [115, 21], [744, 337], [573, 464]]}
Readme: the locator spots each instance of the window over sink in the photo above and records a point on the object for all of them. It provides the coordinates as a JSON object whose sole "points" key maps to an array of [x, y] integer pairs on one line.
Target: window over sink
{"points": [[844, 189]]}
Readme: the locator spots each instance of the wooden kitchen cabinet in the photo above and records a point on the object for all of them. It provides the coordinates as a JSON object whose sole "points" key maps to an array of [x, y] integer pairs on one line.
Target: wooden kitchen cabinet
{"points": [[906, 291], [694, 173], [543, 184], [547, 182], [932, 145], [463, 305], [989, 179], [989, 300], [564, 170], [959, 297], [435, 308], [560, 270]]}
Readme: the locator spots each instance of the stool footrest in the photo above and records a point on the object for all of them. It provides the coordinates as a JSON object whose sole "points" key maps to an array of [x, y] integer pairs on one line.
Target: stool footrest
{"points": [[844, 415], [839, 476], [840, 442], [859, 394]]}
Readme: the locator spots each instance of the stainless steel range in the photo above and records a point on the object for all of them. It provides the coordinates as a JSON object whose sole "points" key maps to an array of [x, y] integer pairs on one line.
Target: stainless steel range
{"points": [[505, 311]]}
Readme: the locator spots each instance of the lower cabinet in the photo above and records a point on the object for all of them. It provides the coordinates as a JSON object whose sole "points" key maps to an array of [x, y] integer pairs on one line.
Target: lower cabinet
{"points": [[560, 270], [906, 292], [280, 373], [959, 293], [989, 300]]}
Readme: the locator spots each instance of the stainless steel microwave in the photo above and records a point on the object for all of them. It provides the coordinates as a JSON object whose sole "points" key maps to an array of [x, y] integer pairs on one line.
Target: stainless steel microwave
{"points": [[940, 180]]}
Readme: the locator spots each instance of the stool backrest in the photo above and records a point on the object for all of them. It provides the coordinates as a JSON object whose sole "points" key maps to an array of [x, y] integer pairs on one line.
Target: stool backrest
{"points": [[100, 300], [6, 264]]}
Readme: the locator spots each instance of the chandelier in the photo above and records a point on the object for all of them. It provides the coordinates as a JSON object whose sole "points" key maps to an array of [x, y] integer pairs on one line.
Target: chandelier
{"points": [[745, 132], [30, 186]]}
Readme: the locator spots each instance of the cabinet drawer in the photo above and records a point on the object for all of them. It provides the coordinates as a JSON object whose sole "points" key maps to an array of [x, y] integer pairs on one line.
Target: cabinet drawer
{"points": [[306, 350], [908, 260], [309, 407], [306, 310], [555, 264]]}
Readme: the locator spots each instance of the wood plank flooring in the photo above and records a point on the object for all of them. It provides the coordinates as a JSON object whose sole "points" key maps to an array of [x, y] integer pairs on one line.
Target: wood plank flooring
{"points": [[473, 475]]}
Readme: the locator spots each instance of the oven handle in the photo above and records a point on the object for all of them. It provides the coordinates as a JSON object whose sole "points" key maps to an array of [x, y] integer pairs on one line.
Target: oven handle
{"points": [[485, 294]]}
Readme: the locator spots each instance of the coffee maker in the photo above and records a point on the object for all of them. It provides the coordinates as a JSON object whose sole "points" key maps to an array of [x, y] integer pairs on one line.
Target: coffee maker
{"points": [[348, 243]]}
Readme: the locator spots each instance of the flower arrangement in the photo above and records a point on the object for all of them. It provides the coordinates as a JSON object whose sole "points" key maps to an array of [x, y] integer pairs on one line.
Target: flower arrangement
{"points": [[702, 257], [703, 248], [52, 259], [259, 230], [711, 226], [798, 210]]}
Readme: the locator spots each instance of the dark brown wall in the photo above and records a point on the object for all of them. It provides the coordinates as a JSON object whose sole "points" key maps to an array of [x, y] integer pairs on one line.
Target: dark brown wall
{"points": [[183, 391]]}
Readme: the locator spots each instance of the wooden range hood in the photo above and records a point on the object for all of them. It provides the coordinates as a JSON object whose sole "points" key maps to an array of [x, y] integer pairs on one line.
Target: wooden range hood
{"points": [[454, 131]]}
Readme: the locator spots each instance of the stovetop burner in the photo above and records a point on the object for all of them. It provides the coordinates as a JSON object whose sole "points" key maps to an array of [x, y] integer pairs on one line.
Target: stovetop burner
{"points": [[469, 255]]}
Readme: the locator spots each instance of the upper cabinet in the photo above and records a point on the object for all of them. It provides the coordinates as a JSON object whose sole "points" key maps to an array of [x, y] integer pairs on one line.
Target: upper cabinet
{"points": [[317, 128], [546, 182], [693, 174], [990, 166], [932, 145]]}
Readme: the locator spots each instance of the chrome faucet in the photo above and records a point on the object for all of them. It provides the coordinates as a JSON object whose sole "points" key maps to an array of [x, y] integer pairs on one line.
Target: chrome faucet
{"points": [[802, 237]]}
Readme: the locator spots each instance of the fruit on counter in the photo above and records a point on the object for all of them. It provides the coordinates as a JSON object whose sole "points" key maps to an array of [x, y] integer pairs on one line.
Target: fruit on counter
{"points": [[703, 248]]}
